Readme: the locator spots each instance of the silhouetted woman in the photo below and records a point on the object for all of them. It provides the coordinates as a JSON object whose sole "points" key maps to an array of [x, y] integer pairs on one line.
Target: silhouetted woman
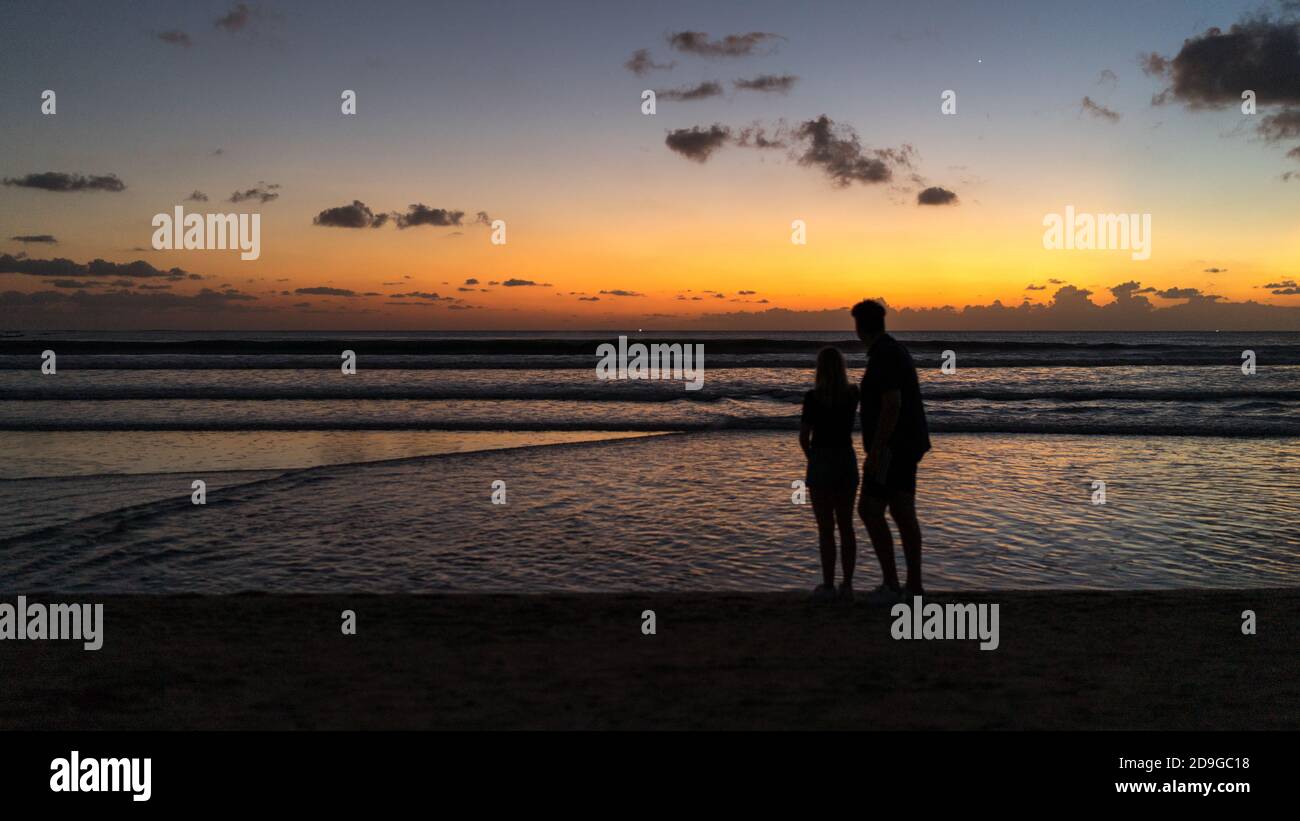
{"points": [[826, 436]]}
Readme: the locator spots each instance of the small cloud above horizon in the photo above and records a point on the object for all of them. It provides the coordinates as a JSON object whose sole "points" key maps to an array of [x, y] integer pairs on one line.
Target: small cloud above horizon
{"points": [[641, 63], [61, 182], [701, 91], [1090, 106], [934, 195], [356, 215], [732, 45], [768, 83], [262, 192]]}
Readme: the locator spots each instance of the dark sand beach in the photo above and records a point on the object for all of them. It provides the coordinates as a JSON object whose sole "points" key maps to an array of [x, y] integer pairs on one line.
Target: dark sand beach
{"points": [[1067, 660]]}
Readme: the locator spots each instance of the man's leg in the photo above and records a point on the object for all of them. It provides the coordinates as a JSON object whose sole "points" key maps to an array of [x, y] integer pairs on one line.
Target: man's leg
{"points": [[903, 508], [872, 511]]}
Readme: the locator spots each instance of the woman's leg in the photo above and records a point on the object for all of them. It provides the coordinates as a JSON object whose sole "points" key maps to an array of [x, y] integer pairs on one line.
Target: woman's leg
{"points": [[823, 502], [848, 539]]}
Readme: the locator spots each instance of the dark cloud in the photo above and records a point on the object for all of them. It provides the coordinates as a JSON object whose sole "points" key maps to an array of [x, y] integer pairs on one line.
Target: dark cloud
{"points": [[356, 215], [1259, 53], [835, 148], [698, 143], [837, 151], [1211, 70], [756, 136], [1282, 125], [1107, 78], [589, 299], [64, 183], [1090, 106], [125, 308], [45, 239], [934, 195], [74, 283], [323, 290], [197, 196], [641, 63], [769, 83], [427, 296], [1069, 309], [482, 218], [1216, 270], [471, 281], [100, 268], [1178, 293], [621, 292], [175, 37], [698, 92], [421, 214], [1032, 287], [263, 192], [523, 283], [732, 45], [236, 19], [1153, 64]]}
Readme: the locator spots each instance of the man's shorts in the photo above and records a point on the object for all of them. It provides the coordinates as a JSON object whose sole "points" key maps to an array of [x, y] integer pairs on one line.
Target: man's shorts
{"points": [[897, 475]]}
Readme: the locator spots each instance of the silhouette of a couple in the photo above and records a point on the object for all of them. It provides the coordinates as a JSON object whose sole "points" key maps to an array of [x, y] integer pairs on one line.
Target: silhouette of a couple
{"points": [[895, 437]]}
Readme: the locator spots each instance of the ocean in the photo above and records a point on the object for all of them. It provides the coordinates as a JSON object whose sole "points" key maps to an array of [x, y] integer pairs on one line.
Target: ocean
{"points": [[381, 480]]}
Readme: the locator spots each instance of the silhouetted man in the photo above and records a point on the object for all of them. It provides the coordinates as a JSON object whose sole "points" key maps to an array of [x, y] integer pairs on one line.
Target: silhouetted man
{"points": [[895, 436]]}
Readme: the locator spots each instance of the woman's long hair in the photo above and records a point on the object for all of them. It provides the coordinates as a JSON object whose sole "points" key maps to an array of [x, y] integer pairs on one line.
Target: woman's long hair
{"points": [[832, 382]]}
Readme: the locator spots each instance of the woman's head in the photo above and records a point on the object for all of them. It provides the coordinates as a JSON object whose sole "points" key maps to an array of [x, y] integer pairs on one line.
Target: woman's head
{"points": [[832, 381]]}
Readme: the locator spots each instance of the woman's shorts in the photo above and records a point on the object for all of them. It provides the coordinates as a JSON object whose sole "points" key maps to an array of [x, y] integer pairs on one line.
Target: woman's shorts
{"points": [[832, 469]]}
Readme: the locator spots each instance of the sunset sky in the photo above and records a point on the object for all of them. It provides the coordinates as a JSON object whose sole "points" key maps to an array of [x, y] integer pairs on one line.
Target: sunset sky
{"points": [[529, 112]]}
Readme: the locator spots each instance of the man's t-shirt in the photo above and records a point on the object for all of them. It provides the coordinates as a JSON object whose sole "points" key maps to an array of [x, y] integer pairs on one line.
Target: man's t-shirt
{"points": [[890, 367], [832, 425]]}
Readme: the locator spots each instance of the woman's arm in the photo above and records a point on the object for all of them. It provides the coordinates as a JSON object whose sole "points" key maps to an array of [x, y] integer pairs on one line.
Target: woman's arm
{"points": [[805, 438]]}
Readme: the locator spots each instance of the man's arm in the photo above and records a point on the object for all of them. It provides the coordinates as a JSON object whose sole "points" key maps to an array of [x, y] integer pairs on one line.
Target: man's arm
{"points": [[891, 402]]}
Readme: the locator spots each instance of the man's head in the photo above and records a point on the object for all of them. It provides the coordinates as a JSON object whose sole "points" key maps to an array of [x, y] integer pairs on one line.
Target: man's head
{"points": [[869, 316]]}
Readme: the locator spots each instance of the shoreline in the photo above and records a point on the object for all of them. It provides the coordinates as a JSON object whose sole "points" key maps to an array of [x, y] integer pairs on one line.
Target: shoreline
{"points": [[491, 440], [1169, 659]]}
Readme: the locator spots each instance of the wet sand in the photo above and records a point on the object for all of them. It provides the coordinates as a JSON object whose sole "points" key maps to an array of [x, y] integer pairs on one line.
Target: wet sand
{"points": [[1066, 660]]}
